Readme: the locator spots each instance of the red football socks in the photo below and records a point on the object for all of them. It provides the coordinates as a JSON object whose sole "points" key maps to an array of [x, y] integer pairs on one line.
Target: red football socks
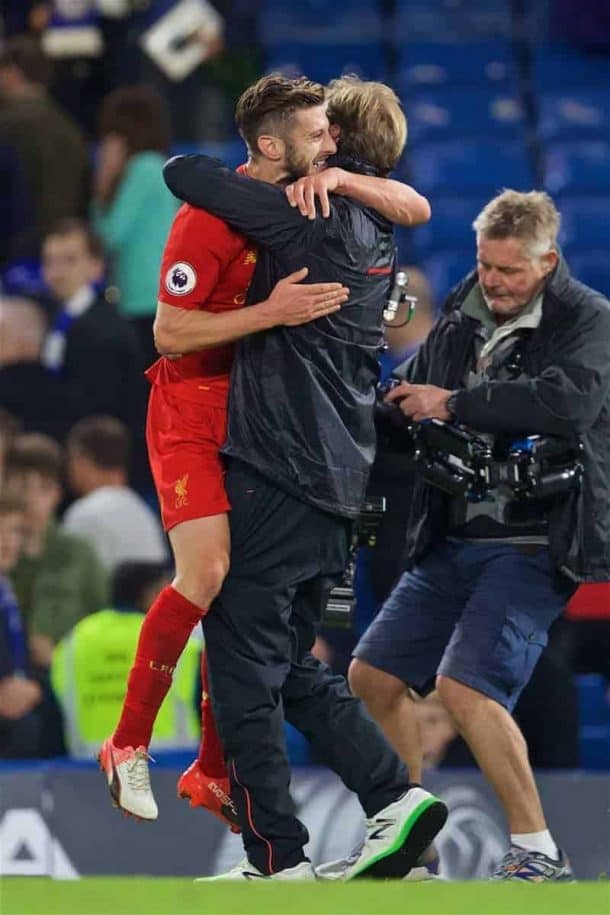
{"points": [[211, 756], [165, 631]]}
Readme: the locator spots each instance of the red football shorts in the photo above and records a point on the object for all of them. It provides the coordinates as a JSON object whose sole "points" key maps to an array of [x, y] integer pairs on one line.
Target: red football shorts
{"points": [[184, 440]]}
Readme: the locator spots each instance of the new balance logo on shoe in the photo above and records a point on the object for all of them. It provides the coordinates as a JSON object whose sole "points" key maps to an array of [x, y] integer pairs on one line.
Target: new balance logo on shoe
{"points": [[381, 829]]}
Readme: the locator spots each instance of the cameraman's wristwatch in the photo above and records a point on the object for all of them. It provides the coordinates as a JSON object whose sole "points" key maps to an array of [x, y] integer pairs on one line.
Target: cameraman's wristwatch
{"points": [[452, 403]]}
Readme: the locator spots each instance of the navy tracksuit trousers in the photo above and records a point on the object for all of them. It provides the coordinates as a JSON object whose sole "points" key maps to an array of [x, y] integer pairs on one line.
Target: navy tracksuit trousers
{"points": [[286, 556]]}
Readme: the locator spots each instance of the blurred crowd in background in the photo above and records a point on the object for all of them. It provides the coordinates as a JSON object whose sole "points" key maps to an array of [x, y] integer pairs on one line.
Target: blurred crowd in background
{"points": [[497, 93]]}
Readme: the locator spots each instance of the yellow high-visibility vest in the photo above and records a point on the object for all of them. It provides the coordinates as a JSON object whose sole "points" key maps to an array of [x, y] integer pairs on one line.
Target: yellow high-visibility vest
{"points": [[89, 675]]}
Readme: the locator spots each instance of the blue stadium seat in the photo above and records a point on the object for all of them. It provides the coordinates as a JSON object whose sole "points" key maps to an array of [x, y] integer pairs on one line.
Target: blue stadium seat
{"points": [[446, 268], [593, 706], [318, 21], [23, 276], [590, 267], [450, 226], [452, 21], [554, 65], [574, 114], [594, 746], [594, 716], [578, 167], [534, 21], [470, 166], [231, 152], [443, 113], [429, 65], [322, 62], [585, 222]]}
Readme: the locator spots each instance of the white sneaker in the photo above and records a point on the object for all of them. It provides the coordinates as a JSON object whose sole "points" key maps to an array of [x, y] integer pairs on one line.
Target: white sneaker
{"points": [[397, 836], [336, 870], [246, 871], [126, 771], [426, 867]]}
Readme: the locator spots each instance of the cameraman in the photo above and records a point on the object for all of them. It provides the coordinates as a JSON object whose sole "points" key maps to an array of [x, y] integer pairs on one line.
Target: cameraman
{"points": [[522, 348]]}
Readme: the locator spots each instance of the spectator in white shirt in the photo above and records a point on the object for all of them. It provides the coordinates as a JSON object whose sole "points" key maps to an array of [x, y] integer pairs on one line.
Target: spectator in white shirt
{"points": [[109, 514]]}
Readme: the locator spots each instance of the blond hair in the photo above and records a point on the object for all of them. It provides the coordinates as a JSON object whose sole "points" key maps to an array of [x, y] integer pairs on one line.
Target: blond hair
{"points": [[530, 217], [373, 124]]}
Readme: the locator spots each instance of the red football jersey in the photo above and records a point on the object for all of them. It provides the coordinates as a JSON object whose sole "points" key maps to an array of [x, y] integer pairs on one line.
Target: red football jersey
{"points": [[207, 266]]}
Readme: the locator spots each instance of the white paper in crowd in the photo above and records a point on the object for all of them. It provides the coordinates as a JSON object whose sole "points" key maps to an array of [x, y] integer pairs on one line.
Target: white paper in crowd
{"points": [[181, 39]]}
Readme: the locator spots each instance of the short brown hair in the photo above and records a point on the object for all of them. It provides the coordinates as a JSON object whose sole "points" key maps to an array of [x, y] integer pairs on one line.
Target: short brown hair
{"points": [[140, 116], [71, 225], [102, 439], [269, 104], [373, 124], [33, 451], [531, 217], [26, 54], [11, 503]]}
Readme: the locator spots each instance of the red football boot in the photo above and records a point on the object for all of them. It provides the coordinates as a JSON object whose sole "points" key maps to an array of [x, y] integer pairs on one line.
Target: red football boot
{"points": [[210, 792]]}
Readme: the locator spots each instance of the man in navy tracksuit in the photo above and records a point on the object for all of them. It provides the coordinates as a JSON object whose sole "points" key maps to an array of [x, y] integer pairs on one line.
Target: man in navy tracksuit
{"points": [[300, 443]]}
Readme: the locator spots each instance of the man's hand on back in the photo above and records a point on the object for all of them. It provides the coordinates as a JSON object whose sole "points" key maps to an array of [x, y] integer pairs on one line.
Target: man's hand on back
{"points": [[292, 302], [303, 193]]}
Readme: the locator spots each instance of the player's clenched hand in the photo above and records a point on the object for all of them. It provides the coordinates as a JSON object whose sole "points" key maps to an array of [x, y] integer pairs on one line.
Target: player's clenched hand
{"points": [[303, 193], [292, 302]]}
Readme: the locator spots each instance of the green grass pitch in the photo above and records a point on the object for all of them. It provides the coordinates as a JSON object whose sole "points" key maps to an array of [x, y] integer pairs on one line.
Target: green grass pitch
{"points": [[149, 896]]}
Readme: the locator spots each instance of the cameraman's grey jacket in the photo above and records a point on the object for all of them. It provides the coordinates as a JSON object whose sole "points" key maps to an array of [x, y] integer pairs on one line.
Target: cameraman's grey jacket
{"points": [[302, 398], [564, 391]]}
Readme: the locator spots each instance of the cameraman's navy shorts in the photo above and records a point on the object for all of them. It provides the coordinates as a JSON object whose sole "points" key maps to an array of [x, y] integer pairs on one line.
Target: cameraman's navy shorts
{"points": [[476, 612]]}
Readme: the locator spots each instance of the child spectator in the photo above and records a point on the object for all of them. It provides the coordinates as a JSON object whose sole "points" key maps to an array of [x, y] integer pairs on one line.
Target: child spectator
{"points": [[58, 578]]}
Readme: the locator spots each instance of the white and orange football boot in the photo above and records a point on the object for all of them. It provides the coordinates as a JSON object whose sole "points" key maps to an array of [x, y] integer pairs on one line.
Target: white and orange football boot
{"points": [[126, 771]]}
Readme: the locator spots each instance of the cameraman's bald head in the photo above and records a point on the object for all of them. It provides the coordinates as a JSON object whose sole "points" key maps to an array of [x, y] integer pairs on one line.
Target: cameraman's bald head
{"points": [[22, 330]]}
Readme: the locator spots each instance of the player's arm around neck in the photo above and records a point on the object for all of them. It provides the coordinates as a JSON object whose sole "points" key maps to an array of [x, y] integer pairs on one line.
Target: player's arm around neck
{"points": [[399, 203]]}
